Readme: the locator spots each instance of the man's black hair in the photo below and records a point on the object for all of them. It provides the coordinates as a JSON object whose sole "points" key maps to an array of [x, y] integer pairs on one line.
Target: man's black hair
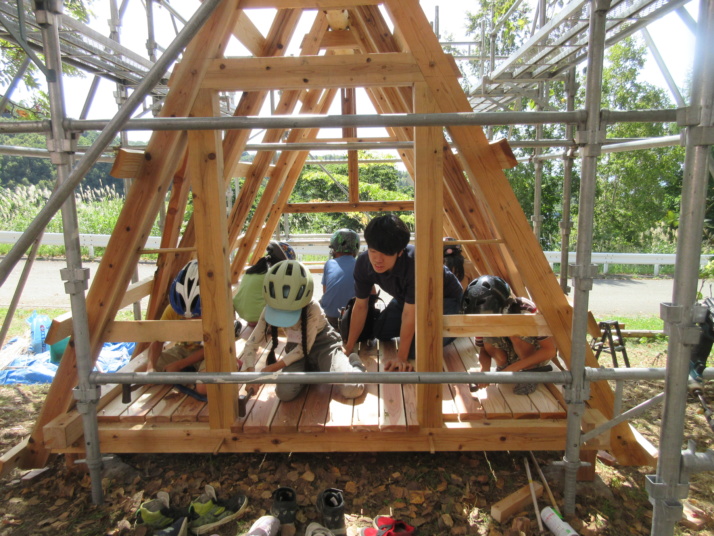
{"points": [[387, 234]]}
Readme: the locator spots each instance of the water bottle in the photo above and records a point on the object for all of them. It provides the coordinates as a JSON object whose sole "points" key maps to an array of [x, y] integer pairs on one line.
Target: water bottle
{"points": [[556, 525]]}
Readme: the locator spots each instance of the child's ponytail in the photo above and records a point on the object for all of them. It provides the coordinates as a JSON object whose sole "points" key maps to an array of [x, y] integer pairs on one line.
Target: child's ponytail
{"points": [[271, 354], [303, 328]]}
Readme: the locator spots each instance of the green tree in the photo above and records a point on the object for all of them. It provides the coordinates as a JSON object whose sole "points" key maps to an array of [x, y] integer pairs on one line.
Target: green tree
{"points": [[635, 190]]}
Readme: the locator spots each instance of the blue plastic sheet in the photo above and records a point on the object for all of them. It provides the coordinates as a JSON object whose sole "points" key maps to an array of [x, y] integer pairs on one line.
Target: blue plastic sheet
{"points": [[37, 368]]}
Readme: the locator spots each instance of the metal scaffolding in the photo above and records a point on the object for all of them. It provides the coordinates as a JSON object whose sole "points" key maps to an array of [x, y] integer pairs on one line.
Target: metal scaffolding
{"points": [[580, 32]]}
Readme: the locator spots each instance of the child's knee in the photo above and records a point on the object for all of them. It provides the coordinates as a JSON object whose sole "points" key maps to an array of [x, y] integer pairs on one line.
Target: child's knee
{"points": [[287, 391], [351, 390]]}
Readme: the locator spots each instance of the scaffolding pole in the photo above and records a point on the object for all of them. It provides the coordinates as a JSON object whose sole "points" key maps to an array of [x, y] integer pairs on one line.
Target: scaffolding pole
{"points": [[590, 139], [669, 485]]}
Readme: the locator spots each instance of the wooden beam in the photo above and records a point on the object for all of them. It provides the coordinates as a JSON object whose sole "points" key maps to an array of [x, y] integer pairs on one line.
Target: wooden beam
{"points": [[362, 206], [61, 326], [528, 325], [429, 293], [491, 435], [338, 39], [314, 72], [209, 198], [313, 4], [129, 161], [248, 35]]}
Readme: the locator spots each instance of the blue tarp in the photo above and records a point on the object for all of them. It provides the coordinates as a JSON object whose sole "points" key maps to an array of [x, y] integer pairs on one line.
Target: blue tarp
{"points": [[37, 368]]}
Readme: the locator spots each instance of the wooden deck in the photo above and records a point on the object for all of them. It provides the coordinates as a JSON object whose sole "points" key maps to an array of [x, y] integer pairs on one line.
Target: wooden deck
{"points": [[320, 419]]}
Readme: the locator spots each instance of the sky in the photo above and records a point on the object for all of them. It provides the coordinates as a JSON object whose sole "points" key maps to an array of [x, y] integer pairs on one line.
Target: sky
{"points": [[675, 42]]}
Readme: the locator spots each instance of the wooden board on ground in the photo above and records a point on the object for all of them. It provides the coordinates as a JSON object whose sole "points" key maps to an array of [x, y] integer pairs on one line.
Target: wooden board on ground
{"points": [[314, 412], [391, 403], [506, 508], [366, 408], [188, 410], [522, 406], [113, 411], [469, 407], [548, 406], [139, 409], [165, 408]]}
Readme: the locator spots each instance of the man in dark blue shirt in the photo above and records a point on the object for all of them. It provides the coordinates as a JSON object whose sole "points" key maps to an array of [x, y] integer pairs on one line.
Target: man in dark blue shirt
{"points": [[390, 263]]}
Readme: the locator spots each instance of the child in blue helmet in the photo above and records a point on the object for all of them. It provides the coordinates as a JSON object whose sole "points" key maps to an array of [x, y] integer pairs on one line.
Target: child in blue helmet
{"points": [[248, 300], [338, 283]]}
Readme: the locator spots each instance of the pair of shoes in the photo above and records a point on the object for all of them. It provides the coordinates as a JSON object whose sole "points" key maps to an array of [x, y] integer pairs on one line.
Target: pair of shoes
{"points": [[157, 514], [331, 505], [315, 529], [264, 526], [387, 526], [208, 512]]}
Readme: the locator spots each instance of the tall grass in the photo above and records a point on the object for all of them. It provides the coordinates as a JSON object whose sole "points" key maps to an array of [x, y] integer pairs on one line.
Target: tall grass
{"points": [[97, 213]]}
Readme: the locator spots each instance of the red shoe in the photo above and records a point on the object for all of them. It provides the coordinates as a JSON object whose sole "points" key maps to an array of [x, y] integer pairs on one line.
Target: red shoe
{"points": [[395, 526]]}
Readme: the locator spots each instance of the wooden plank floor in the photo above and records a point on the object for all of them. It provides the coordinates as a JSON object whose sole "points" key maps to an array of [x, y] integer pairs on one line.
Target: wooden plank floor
{"points": [[321, 408]]}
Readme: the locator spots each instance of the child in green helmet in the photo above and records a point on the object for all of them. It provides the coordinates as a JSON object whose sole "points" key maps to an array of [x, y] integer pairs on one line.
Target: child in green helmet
{"points": [[248, 301], [312, 343], [338, 282]]}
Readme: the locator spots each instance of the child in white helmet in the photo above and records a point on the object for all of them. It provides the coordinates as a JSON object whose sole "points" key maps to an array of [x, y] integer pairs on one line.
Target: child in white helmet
{"points": [[312, 343]]}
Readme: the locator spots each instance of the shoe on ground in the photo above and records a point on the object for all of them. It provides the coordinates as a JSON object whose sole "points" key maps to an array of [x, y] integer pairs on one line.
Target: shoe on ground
{"points": [[395, 525], [284, 505], [264, 526], [331, 505], [157, 514], [315, 529], [208, 512], [178, 528]]}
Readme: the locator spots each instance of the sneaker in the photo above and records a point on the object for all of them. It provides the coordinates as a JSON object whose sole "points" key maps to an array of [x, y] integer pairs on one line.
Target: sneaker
{"points": [[315, 529], [284, 505], [208, 512], [331, 504], [356, 363], [178, 528], [156, 514], [237, 328], [395, 525], [264, 526]]}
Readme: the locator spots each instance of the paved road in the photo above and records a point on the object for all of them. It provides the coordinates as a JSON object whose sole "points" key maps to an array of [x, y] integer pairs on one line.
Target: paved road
{"points": [[45, 288]]}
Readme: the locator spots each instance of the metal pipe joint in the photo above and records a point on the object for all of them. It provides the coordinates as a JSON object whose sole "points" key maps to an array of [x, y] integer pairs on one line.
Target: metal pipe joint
{"points": [[696, 462]]}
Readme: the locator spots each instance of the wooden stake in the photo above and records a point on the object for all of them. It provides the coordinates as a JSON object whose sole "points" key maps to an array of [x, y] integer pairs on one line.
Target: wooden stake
{"points": [[533, 494], [545, 483]]}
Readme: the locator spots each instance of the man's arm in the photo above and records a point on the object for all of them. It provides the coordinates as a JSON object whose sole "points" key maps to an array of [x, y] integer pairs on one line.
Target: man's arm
{"points": [[406, 336], [357, 320]]}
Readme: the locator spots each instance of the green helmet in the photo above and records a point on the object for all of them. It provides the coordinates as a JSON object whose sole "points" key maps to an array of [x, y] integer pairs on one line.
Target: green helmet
{"points": [[287, 288], [345, 241]]}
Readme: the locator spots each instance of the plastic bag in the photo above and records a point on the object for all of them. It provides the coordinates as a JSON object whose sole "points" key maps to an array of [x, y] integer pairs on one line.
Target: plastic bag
{"points": [[39, 324]]}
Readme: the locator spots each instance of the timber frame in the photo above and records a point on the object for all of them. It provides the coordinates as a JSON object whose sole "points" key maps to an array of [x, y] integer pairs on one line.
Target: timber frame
{"points": [[461, 191]]}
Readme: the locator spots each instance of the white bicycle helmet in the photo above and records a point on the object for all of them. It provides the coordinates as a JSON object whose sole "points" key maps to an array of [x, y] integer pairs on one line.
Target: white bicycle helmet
{"points": [[184, 294], [287, 288]]}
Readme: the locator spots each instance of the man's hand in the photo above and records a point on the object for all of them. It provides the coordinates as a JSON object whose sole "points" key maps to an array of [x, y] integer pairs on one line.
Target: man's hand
{"points": [[397, 365]]}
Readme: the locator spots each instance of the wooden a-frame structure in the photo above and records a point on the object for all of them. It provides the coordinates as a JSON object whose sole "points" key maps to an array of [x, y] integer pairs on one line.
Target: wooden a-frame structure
{"points": [[460, 192]]}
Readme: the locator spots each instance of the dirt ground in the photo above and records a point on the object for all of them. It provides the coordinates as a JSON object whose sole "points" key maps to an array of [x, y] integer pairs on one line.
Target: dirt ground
{"points": [[442, 494]]}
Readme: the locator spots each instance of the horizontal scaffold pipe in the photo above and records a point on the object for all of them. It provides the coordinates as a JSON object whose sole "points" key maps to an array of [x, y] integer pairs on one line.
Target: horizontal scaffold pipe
{"points": [[335, 121], [559, 377]]}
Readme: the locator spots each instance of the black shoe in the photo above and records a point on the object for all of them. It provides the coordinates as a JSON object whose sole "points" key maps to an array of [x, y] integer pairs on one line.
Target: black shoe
{"points": [[237, 328], [284, 505], [331, 504]]}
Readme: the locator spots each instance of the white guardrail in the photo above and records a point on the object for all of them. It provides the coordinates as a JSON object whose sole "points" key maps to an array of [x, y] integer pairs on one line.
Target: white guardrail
{"points": [[318, 244]]}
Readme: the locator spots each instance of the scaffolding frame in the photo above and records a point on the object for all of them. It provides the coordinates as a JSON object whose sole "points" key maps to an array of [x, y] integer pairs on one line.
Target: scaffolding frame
{"points": [[581, 32]]}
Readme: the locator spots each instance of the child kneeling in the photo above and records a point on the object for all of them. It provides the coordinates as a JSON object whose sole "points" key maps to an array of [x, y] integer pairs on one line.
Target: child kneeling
{"points": [[312, 343]]}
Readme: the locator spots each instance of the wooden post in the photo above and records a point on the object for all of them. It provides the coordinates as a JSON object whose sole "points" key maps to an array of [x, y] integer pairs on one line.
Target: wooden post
{"points": [[429, 195], [209, 201]]}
